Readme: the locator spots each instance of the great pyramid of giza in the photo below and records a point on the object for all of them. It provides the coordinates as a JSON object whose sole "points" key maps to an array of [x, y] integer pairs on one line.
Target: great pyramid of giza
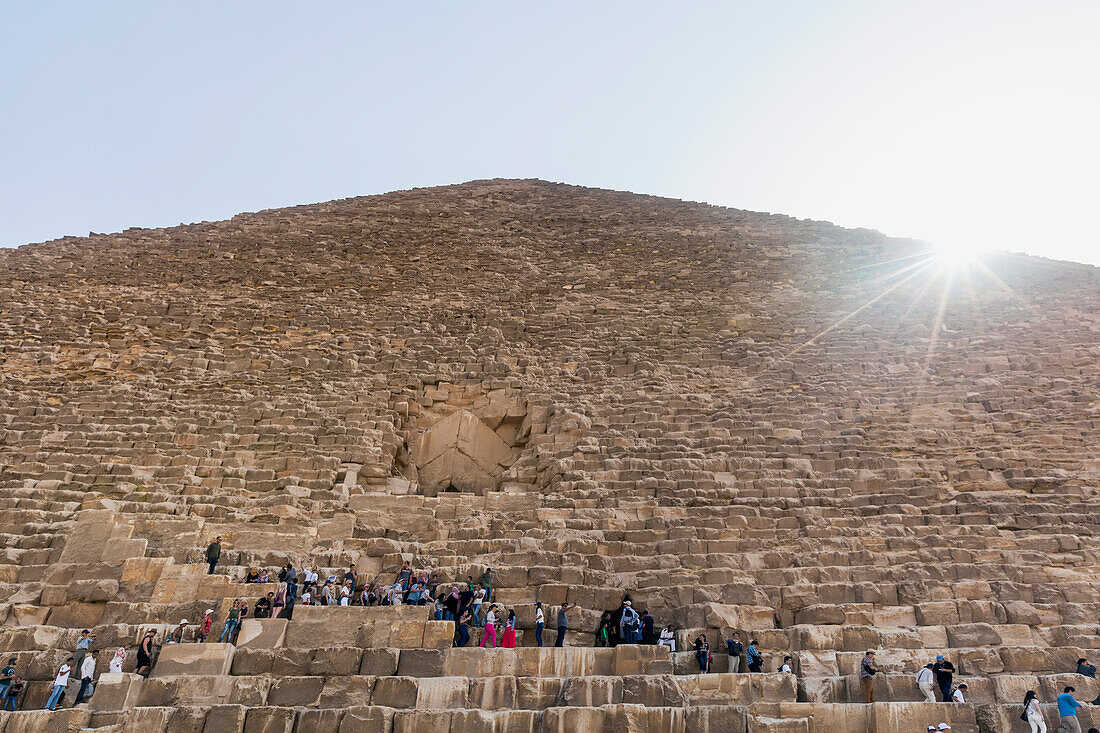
{"points": [[827, 440]]}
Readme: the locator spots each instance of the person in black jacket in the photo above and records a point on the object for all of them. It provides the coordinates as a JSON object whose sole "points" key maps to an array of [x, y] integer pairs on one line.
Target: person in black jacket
{"points": [[945, 673], [734, 648], [647, 628]]}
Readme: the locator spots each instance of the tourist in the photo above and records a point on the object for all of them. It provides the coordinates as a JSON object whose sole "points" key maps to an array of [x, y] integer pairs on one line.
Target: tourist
{"points": [[944, 672], [647, 628], [489, 637], [145, 653], [307, 597], [206, 625], [213, 554], [668, 638], [630, 625], [264, 606], [540, 623], [415, 591], [345, 593], [278, 601], [508, 641], [926, 679], [10, 701], [228, 628], [118, 659], [87, 673], [450, 604], [176, 635], [328, 594], [1067, 711], [957, 695], [479, 599], [252, 576], [786, 668], [351, 575], [754, 658], [867, 672], [403, 576], [60, 682], [433, 584], [1033, 714], [465, 597], [486, 581], [7, 674], [264, 577], [563, 624], [734, 648], [309, 578], [603, 634], [290, 576], [82, 646], [702, 652], [463, 629], [1083, 667]]}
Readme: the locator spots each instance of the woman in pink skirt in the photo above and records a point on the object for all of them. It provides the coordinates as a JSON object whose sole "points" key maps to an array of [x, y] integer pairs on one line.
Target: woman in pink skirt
{"points": [[509, 639], [489, 637]]}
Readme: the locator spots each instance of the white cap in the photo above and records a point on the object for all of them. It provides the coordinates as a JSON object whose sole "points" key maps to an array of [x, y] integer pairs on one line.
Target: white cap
{"points": [[185, 621], [944, 726], [626, 603], [209, 611]]}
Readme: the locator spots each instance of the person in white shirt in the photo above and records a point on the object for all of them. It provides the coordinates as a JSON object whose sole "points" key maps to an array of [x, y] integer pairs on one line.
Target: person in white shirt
{"points": [[345, 594], [118, 660], [957, 696], [668, 638], [925, 680], [87, 672], [479, 598], [60, 682], [540, 623], [786, 668]]}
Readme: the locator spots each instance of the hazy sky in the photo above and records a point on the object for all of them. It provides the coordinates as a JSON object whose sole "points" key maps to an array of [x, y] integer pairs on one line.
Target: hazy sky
{"points": [[965, 123]]}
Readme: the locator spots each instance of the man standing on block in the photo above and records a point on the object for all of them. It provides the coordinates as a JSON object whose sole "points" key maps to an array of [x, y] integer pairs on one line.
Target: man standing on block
{"points": [[563, 624], [867, 672], [213, 554], [87, 673], [925, 678]]}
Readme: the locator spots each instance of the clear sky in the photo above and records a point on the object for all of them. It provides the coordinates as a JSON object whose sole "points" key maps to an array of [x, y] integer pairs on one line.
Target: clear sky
{"points": [[971, 124]]}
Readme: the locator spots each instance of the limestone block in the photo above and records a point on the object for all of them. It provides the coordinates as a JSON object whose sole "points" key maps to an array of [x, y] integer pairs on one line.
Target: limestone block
{"points": [[494, 693], [441, 692], [517, 721], [116, 691], [591, 691], [716, 689], [333, 662], [269, 720], [532, 693], [319, 721], [438, 634], [295, 691], [291, 661], [342, 692], [367, 719], [420, 663], [252, 661], [573, 720], [652, 691], [383, 662], [716, 718], [901, 717], [194, 659], [262, 633], [478, 662], [422, 721], [395, 692]]}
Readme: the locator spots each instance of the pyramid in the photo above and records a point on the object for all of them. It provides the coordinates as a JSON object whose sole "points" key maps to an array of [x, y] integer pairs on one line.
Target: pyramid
{"points": [[824, 439]]}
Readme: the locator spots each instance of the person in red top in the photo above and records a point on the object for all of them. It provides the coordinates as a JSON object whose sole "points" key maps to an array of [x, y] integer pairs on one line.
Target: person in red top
{"points": [[206, 625]]}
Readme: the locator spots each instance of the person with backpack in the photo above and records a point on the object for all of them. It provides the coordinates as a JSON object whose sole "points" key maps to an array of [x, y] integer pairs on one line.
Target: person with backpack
{"points": [[754, 658], [786, 668], [734, 648], [867, 672], [925, 680], [630, 625]]}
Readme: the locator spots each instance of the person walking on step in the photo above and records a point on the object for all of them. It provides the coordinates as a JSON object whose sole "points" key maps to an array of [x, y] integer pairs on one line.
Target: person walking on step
{"points": [[867, 672], [145, 653], [118, 659], [508, 641], [87, 674], [755, 659], [61, 681], [486, 581], [630, 625], [489, 637], [925, 680], [945, 675], [82, 645], [647, 628], [563, 623], [1067, 711], [10, 701], [463, 629], [479, 599], [207, 625], [540, 623], [213, 554], [1032, 714], [734, 648], [7, 674]]}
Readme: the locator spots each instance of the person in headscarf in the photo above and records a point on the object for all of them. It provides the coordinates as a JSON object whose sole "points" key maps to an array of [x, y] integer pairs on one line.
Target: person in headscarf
{"points": [[509, 639], [279, 601], [118, 659]]}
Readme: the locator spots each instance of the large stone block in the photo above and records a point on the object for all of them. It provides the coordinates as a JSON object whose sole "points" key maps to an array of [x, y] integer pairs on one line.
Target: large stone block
{"points": [[194, 659], [262, 633]]}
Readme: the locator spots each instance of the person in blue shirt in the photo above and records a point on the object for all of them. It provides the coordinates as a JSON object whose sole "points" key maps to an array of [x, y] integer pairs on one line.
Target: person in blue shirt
{"points": [[1067, 711]]}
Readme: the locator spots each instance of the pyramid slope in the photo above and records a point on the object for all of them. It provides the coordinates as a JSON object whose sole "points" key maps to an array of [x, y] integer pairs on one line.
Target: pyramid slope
{"points": [[817, 436]]}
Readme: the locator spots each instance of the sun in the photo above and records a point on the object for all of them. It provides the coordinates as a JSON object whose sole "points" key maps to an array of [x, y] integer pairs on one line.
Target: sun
{"points": [[957, 255]]}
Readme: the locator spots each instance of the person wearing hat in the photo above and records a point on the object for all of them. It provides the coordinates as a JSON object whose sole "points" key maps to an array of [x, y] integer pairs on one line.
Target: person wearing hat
{"points": [[630, 625], [7, 674], [176, 637], [925, 681], [206, 625], [867, 672], [945, 674]]}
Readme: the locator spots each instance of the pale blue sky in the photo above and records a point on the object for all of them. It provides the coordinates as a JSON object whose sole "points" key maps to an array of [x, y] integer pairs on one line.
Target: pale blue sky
{"points": [[967, 123]]}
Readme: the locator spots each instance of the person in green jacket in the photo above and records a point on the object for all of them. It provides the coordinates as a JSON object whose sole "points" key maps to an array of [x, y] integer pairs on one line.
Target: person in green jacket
{"points": [[213, 554]]}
